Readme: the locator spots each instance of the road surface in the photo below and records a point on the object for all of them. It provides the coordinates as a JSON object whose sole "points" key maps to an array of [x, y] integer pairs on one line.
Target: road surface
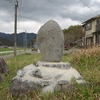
{"points": [[34, 52]]}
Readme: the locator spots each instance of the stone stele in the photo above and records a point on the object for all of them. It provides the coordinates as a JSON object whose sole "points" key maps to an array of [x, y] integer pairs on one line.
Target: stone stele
{"points": [[50, 74], [50, 41]]}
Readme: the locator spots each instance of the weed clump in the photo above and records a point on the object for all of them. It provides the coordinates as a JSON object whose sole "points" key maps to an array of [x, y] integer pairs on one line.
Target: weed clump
{"points": [[87, 62], [87, 57]]}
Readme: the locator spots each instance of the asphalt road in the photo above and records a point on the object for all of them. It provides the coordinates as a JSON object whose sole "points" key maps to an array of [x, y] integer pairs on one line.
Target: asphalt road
{"points": [[11, 55], [34, 52]]}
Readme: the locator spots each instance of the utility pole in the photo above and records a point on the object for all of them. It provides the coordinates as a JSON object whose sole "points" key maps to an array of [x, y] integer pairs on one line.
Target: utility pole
{"points": [[25, 40], [15, 28]]}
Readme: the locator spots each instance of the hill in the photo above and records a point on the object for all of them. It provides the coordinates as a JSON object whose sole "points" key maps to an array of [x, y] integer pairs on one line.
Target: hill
{"points": [[5, 42], [20, 37]]}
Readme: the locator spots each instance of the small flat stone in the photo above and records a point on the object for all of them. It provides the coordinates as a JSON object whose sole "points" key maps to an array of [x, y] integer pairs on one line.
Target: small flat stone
{"points": [[62, 82], [36, 73], [46, 82], [20, 73], [58, 76]]}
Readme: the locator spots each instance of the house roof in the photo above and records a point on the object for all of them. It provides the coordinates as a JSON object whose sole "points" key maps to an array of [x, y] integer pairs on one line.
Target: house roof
{"points": [[95, 17]]}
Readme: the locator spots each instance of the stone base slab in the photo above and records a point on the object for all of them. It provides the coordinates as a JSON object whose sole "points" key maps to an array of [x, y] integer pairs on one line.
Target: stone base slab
{"points": [[45, 75]]}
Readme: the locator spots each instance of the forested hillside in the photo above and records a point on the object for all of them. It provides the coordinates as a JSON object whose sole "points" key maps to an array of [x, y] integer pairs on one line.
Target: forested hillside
{"points": [[5, 42], [9, 38]]}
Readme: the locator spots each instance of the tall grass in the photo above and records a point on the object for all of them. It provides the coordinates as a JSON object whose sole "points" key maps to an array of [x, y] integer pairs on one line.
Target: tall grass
{"points": [[88, 57], [15, 64], [87, 62]]}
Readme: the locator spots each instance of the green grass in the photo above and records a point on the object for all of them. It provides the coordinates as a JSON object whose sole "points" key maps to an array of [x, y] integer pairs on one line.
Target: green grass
{"points": [[87, 62], [8, 49], [15, 64], [66, 57]]}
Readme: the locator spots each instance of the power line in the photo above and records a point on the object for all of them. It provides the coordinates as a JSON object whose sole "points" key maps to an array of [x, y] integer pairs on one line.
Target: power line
{"points": [[20, 16], [11, 2], [67, 9], [89, 7], [19, 9]]}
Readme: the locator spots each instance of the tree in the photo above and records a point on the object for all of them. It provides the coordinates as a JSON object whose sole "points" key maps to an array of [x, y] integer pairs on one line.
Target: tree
{"points": [[1, 43], [73, 35]]}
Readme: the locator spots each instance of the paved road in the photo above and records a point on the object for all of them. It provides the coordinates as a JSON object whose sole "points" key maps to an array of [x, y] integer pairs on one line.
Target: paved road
{"points": [[34, 52], [11, 55], [71, 50]]}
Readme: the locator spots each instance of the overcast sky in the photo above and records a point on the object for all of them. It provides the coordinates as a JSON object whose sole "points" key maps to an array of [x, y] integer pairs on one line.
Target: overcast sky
{"points": [[34, 13]]}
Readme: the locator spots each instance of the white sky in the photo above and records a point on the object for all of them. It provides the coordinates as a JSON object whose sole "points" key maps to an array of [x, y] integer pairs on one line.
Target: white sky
{"points": [[34, 13]]}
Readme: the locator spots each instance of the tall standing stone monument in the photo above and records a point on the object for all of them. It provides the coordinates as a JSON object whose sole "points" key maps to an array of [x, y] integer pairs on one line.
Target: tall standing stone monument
{"points": [[50, 41], [49, 74]]}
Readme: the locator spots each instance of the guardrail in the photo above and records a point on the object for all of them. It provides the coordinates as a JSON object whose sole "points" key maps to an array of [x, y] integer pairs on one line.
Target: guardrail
{"points": [[7, 52]]}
